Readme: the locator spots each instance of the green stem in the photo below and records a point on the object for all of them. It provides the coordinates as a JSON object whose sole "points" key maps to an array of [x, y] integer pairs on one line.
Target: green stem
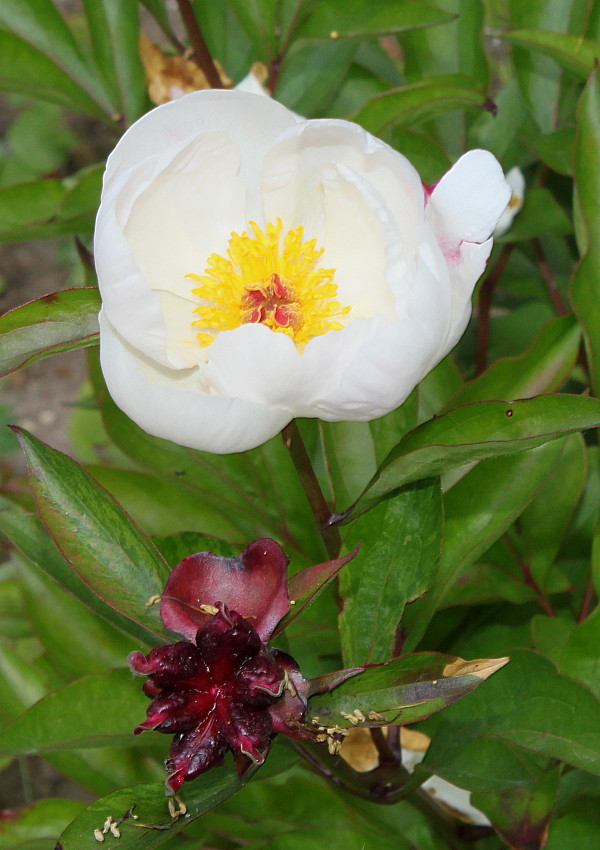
{"points": [[292, 440]]}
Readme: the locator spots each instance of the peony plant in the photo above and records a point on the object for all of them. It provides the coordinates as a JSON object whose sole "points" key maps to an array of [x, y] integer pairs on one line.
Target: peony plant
{"points": [[281, 348]]}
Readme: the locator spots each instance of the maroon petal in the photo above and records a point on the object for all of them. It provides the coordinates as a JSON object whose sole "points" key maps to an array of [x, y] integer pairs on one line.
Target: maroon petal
{"points": [[175, 666], [253, 584], [247, 730], [288, 712], [193, 752], [225, 643], [178, 711], [260, 681]]}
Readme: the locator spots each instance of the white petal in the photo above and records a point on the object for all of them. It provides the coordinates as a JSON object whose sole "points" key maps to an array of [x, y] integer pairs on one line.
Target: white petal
{"points": [[468, 201], [250, 121], [179, 406], [177, 184], [516, 181], [361, 200]]}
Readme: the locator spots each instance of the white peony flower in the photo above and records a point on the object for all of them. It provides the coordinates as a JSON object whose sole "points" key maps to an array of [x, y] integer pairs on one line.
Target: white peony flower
{"points": [[255, 266], [516, 181]]}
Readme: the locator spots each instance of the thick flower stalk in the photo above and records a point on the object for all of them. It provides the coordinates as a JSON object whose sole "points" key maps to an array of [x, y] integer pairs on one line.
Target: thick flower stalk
{"points": [[255, 266], [223, 688]]}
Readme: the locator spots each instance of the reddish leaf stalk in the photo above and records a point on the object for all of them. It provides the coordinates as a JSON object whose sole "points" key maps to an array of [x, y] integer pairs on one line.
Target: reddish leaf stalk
{"points": [[292, 440], [486, 294], [529, 580], [549, 279], [199, 46], [587, 601]]}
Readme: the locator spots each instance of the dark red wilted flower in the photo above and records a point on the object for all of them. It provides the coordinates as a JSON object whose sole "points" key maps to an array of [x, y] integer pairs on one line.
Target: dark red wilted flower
{"points": [[223, 688]]}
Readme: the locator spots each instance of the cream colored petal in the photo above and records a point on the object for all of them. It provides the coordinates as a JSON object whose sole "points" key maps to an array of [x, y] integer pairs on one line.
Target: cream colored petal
{"points": [[180, 405], [361, 200]]}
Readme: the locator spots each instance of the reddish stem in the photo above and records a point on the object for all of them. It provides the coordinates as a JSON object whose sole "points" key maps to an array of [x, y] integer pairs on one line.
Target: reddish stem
{"points": [[587, 601], [292, 440], [529, 579], [548, 277], [199, 46]]}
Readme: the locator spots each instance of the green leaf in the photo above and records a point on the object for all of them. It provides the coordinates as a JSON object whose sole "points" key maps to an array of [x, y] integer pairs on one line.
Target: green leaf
{"points": [[477, 510], [163, 506], [25, 70], [538, 76], [541, 215], [575, 830], [349, 839], [528, 704], [579, 657], [585, 284], [115, 31], [523, 813], [474, 432], [40, 24], [420, 102], [340, 19], [201, 795], [50, 207], [43, 820], [110, 554], [62, 623], [302, 85], [23, 683], [572, 52], [306, 585], [542, 368], [401, 544], [175, 547], [27, 533], [259, 20], [544, 523], [54, 323], [404, 690], [555, 149], [95, 711]]}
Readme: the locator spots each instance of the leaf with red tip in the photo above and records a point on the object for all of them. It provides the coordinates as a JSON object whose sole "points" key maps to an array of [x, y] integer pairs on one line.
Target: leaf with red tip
{"points": [[306, 585], [253, 584]]}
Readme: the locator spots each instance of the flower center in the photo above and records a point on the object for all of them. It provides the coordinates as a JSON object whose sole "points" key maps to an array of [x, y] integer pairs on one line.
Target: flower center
{"points": [[271, 280]]}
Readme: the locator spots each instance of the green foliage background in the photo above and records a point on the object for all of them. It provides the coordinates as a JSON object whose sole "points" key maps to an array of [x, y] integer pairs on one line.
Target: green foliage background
{"points": [[476, 502]]}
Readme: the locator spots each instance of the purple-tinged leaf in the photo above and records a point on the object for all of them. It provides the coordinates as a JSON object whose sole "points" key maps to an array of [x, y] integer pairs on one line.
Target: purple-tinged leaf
{"points": [[93, 532], [474, 432], [306, 585], [404, 690], [206, 792], [329, 681], [57, 322]]}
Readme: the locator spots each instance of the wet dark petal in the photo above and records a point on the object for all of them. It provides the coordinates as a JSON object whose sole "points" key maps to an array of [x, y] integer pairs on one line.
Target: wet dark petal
{"points": [[259, 681], [194, 752], [247, 730], [178, 711], [175, 665], [150, 689], [225, 643]]}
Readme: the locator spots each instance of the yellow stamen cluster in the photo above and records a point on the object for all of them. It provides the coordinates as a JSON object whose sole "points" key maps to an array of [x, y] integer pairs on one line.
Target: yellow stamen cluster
{"points": [[271, 279]]}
